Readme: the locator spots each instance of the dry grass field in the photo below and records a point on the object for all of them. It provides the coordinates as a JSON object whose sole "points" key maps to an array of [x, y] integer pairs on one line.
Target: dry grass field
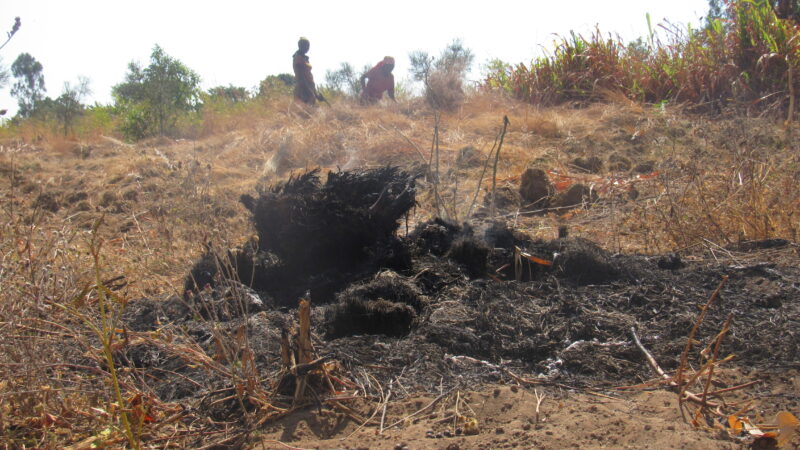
{"points": [[91, 228]]}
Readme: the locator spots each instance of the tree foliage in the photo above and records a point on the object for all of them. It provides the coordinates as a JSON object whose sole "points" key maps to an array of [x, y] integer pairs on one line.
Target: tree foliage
{"points": [[280, 84], [69, 105], [230, 93], [152, 99], [4, 75], [29, 88], [345, 80]]}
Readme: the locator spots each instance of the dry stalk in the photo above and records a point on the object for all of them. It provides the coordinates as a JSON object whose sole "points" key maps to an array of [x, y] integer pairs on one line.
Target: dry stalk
{"points": [[435, 154], [456, 415], [425, 408], [670, 381], [363, 424], [692, 334], [733, 388], [718, 341], [483, 173], [494, 169], [385, 403], [539, 400], [303, 349]]}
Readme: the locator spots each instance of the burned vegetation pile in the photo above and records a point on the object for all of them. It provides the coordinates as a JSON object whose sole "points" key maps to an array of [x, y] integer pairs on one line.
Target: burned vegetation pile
{"points": [[450, 303], [316, 237]]}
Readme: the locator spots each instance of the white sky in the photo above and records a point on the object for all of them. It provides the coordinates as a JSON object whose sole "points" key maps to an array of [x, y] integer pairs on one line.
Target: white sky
{"points": [[241, 42]]}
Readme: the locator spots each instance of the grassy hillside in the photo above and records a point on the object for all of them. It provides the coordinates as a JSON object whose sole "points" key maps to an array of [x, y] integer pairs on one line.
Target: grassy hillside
{"points": [[700, 184], [673, 145]]}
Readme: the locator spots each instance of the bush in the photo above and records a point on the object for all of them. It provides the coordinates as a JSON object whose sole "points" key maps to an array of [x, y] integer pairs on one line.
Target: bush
{"points": [[151, 100], [276, 85], [444, 76]]}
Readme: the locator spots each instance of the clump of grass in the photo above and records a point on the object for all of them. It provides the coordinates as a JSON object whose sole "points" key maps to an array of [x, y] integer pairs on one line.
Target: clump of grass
{"points": [[750, 55]]}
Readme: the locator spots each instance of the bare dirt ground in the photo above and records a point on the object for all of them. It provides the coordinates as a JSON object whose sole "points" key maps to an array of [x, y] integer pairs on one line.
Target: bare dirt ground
{"points": [[508, 420], [464, 325]]}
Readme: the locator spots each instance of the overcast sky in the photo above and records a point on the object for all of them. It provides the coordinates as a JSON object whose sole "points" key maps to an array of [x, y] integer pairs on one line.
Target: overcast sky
{"points": [[240, 42]]}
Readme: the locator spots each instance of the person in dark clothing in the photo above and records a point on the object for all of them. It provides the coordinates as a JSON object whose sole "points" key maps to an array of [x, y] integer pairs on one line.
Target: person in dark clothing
{"points": [[304, 88]]}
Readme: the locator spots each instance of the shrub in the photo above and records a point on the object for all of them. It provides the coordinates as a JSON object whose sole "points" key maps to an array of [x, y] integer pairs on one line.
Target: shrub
{"points": [[152, 99], [444, 76]]}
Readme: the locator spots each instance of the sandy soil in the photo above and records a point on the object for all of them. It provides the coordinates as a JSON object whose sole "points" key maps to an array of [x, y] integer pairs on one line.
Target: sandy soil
{"points": [[507, 419]]}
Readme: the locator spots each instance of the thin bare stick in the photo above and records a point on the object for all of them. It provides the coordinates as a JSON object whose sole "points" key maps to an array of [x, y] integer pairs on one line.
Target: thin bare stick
{"points": [[733, 388], [435, 169], [682, 393], [650, 360], [480, 179], [456, 414], [790, 114], [385, 403], [347, 410], [496, 160], [685, 354], [539, 400], [725, 328], [429, 405], [363, 424]]}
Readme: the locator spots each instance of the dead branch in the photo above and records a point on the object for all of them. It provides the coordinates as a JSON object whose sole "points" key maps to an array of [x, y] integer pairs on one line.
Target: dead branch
{"points": [[717, 343], [650, 360], [436, 400], [385, 403], [733, 388], [685, 354], [670, 381], [539, 400]]}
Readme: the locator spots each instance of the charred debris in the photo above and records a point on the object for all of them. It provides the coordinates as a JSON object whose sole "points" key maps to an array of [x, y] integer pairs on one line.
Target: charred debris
{"points": [[337, 243], [435, 299]]}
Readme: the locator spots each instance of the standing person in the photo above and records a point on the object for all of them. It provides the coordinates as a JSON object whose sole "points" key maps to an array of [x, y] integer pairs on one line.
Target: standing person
{"points": [[380, 80], [304, 88]]}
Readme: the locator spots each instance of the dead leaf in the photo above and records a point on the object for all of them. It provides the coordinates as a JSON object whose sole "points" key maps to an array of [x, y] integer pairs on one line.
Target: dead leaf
{"points": [[736, 425], [788, 424]]}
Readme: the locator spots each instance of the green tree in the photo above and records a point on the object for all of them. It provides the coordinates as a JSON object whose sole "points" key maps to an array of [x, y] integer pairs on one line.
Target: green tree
{"points": [[233, 94], [281, 84], [29, 88], [152, 99], [345, 80], [68, 106]]}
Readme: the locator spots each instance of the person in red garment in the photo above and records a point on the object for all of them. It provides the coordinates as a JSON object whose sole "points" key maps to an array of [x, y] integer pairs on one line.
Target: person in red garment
{"points": [[304, 88], [380, 80]]}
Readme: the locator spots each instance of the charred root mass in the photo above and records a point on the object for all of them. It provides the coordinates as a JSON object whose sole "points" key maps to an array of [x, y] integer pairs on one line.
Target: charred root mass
{"points": [[388, 304], [318, 237]]}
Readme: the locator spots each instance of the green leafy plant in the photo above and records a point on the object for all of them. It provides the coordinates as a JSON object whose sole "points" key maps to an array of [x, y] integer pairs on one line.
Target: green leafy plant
{"points": [[152, 99], [104, 323]]}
